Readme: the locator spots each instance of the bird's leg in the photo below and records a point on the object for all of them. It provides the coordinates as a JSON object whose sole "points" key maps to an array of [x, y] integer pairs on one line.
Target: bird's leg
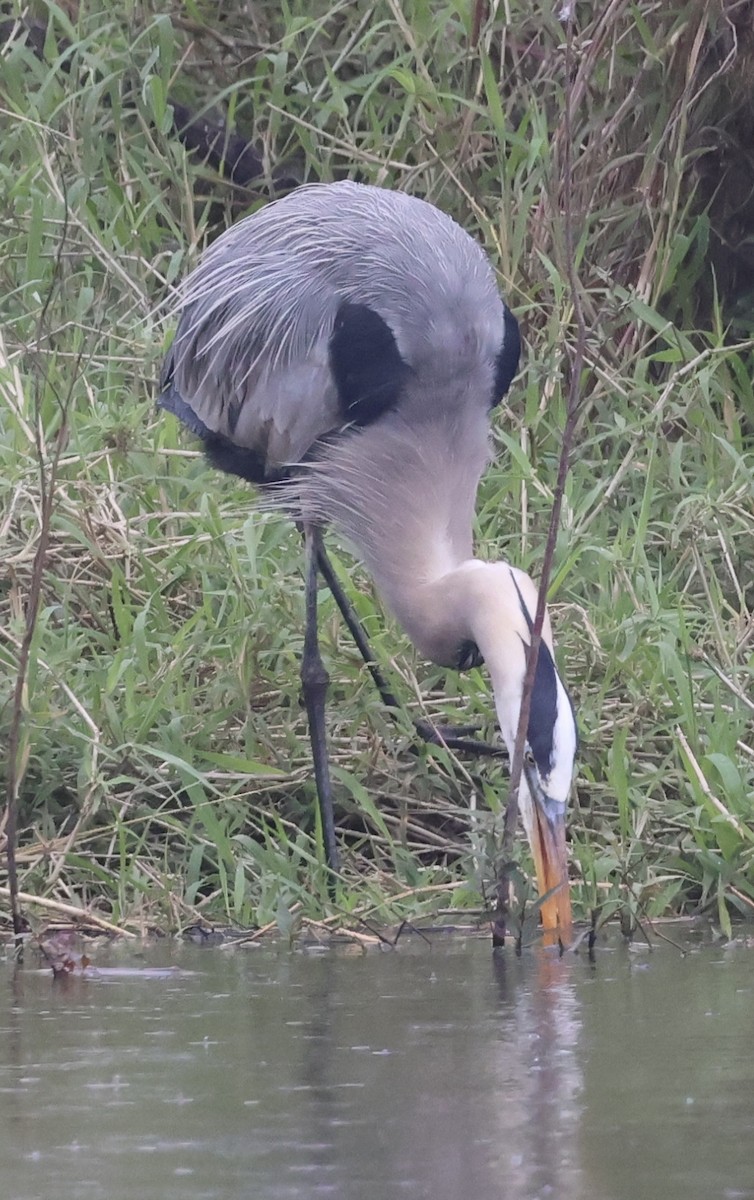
{"points": [[314, 684], [355, 627], [455, 737]]}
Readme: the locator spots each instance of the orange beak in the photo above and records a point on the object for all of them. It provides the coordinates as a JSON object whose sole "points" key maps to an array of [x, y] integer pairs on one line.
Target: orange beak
{"points": [[551, 862]]}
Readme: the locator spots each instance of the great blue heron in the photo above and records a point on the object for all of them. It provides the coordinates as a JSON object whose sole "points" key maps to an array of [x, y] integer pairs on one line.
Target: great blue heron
{"points": [[343, 348]]}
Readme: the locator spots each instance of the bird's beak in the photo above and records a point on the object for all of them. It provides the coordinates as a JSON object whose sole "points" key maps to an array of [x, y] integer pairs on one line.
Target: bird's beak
{"points": [[550, 859]]}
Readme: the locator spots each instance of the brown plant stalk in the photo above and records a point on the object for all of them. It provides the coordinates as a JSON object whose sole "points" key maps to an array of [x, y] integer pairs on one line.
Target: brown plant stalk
{"points": [[573, 369], [47, 481]]}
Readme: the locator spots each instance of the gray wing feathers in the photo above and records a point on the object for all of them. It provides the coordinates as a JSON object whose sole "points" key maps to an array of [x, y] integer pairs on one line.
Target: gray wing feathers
{"points": [[250, 358]]}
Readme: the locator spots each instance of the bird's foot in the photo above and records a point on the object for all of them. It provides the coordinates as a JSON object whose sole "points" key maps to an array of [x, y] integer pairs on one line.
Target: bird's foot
{"points": [[457, 738]]}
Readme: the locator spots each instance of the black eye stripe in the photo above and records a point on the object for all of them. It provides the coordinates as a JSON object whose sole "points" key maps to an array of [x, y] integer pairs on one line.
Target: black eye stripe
{"points": [[544, 711], [522, 606]]}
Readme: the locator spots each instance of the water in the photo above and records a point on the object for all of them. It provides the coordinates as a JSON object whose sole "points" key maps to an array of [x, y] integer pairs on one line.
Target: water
{"points": [[435, 1071]]}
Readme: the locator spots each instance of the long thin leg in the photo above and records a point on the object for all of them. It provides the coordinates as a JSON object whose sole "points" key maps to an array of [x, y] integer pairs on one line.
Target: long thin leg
{"points": [[314, 684], [355, 627], [453, 736]]}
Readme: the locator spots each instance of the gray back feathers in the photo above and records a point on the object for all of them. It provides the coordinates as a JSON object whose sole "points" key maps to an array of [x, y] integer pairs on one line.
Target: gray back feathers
{"points": [[251, 354]]}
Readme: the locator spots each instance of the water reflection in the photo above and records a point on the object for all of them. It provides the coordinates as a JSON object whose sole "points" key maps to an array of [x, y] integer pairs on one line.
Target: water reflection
{"points": [[540, 1065], [440, 1072], [470, 1077]]}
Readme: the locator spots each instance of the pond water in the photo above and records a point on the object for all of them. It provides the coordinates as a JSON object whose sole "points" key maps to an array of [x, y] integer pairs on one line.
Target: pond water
{"points": [[436, 1070]]}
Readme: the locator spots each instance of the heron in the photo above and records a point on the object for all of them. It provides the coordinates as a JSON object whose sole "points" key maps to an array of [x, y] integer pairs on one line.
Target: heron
{"points": [[342, 348]]}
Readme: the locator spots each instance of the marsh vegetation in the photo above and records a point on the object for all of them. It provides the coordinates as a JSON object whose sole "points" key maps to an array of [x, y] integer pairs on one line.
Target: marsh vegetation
{"points": [[163, 767]]}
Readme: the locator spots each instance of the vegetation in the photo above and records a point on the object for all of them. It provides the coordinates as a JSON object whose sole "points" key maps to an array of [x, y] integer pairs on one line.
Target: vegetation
{"points": [[163, 765]]}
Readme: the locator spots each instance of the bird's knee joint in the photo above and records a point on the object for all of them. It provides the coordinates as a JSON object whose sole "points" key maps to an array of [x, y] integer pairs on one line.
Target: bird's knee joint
{"points": [[314, 677]]}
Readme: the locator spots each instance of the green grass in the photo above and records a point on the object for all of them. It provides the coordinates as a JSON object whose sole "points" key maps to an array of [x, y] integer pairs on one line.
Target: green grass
{"points": [[165, 762]]}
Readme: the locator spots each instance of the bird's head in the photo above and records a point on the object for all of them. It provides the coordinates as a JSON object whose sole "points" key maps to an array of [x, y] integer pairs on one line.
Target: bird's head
{"points": [[504, 637]]}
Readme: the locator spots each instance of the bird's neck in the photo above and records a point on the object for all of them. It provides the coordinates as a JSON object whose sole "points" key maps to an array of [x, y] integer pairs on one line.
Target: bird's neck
{"points": [[402, 493], [430, 603], [477, 604], [470, 602]]}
